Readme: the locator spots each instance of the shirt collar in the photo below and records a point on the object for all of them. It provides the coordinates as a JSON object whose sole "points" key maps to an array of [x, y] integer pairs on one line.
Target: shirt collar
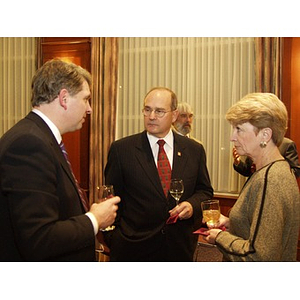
{"points": [[50, 124], [168, 139]]}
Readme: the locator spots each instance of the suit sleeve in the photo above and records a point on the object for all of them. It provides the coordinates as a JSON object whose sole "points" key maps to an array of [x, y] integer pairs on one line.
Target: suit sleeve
{"points": [[244, 168], [112, 170], [203, 189], [291, 155]]}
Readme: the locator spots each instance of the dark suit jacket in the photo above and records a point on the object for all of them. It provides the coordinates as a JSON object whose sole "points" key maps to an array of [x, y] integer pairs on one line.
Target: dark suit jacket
{"points": [[42, 217], [141, 232], [287, 149]]}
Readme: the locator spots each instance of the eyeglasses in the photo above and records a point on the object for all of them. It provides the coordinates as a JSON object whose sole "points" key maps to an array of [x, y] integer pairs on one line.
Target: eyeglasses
{"points": [[159, 113]]}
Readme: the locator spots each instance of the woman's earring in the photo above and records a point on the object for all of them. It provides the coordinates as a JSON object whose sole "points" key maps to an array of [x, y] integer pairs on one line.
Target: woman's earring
{"points": [[263, 144]]}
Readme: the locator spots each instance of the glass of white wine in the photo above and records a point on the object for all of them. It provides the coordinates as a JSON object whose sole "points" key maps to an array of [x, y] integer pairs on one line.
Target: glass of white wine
{"points": [[176, 189], [105, 192], [211, 213]]}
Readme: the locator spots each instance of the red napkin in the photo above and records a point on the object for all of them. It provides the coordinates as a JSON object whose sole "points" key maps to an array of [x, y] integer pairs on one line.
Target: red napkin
{"points": [[173, 219], [204, 231]]}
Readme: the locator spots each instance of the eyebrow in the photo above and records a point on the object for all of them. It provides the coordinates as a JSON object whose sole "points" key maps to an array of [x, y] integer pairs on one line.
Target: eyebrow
{"points": [[156, 108]]}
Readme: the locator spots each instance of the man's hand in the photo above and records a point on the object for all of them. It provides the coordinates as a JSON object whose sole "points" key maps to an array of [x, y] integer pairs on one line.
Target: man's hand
{"points": [[183, 209], [106, 211]]}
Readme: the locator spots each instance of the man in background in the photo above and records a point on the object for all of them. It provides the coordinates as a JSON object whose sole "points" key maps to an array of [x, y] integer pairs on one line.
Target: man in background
{"points": [[184, 121]]}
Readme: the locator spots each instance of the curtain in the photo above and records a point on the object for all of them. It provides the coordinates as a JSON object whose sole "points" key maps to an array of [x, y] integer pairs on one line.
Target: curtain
{"points": [[104, 69], [210, 74], [268, 65], [17, 66]]}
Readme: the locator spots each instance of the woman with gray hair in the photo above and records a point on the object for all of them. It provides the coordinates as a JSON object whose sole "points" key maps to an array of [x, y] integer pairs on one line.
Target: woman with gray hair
{"points": [[263, 225]]}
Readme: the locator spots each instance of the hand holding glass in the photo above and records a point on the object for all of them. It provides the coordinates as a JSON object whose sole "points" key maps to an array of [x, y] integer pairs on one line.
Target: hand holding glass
{"points": [[176, 189], [106, 192], [211, 213]]}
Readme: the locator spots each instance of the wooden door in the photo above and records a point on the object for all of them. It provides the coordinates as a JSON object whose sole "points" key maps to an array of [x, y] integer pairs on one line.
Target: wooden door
{"points": [[78, 51]]}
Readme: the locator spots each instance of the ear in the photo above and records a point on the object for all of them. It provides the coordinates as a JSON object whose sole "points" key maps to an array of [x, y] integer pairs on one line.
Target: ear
{"points": [[63, 98], [267, 134], [174, 115]]}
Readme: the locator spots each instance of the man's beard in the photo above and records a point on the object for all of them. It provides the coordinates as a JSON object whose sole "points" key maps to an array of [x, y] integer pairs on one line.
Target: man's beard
{"points": [[183, 128]]}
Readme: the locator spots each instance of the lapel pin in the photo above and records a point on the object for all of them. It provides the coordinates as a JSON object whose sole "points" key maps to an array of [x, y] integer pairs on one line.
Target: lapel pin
{"points": [[179, 153]]}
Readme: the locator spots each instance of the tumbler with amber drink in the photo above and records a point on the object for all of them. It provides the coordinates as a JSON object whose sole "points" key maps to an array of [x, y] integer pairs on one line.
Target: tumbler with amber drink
{"points": [[211, 213]]}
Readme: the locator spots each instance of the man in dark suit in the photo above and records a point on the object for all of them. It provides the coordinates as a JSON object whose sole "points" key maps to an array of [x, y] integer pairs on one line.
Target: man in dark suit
{"points": [[287, 149], [142, 233], [41, 204]]}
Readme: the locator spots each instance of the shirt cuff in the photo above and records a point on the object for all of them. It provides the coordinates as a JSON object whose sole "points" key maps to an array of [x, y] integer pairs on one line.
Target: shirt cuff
{"points": [[94, 222]]}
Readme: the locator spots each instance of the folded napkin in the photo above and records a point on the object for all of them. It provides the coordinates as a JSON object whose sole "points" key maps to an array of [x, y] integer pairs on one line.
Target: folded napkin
{"points": [[204, 230], [172, 219]]}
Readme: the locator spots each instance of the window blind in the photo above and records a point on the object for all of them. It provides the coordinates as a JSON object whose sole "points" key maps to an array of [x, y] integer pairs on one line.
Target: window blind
{"points": [[210, 74]]}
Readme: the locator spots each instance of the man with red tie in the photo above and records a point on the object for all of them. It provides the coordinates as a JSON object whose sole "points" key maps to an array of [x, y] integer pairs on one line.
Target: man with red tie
{"points": [[142, 232], [44, 216]]}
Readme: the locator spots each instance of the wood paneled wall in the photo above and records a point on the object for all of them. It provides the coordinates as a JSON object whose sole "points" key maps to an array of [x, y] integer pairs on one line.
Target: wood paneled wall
{"points": [[291, 93]]}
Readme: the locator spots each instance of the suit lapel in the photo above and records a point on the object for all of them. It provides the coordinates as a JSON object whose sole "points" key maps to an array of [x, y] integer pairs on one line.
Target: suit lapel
{"points": [[64, 163], [49, 138], [179, 156], [145, 159]]}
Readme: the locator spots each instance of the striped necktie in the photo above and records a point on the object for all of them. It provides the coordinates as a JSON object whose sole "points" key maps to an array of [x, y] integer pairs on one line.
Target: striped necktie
{"points": [[83, 199], [163, 167]]}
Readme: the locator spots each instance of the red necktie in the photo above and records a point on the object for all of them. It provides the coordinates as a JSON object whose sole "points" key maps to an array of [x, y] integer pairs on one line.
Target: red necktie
{"points": [[164, 168], [83, 199]]}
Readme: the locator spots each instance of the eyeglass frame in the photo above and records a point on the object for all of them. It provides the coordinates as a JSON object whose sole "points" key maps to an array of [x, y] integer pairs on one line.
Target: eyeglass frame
{"points": [[158, 112]]}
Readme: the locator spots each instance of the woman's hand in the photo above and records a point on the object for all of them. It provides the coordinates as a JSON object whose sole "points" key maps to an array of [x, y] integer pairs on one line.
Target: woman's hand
{"points": [[224, 221], [211, 238]]}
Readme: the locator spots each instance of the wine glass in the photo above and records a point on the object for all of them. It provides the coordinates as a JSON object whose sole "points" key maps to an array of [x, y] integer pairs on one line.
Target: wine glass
{"points": [[211, 213], [176, 189], [105, 192]]}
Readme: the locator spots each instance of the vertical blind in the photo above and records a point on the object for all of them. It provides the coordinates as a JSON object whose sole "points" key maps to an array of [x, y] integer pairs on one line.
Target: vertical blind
{"points": [[210, 74], [17, 66]]}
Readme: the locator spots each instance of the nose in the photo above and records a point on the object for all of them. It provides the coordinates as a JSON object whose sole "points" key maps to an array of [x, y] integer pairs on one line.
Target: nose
{"points": [[233, 136], [152, 115], [89, 108]]}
